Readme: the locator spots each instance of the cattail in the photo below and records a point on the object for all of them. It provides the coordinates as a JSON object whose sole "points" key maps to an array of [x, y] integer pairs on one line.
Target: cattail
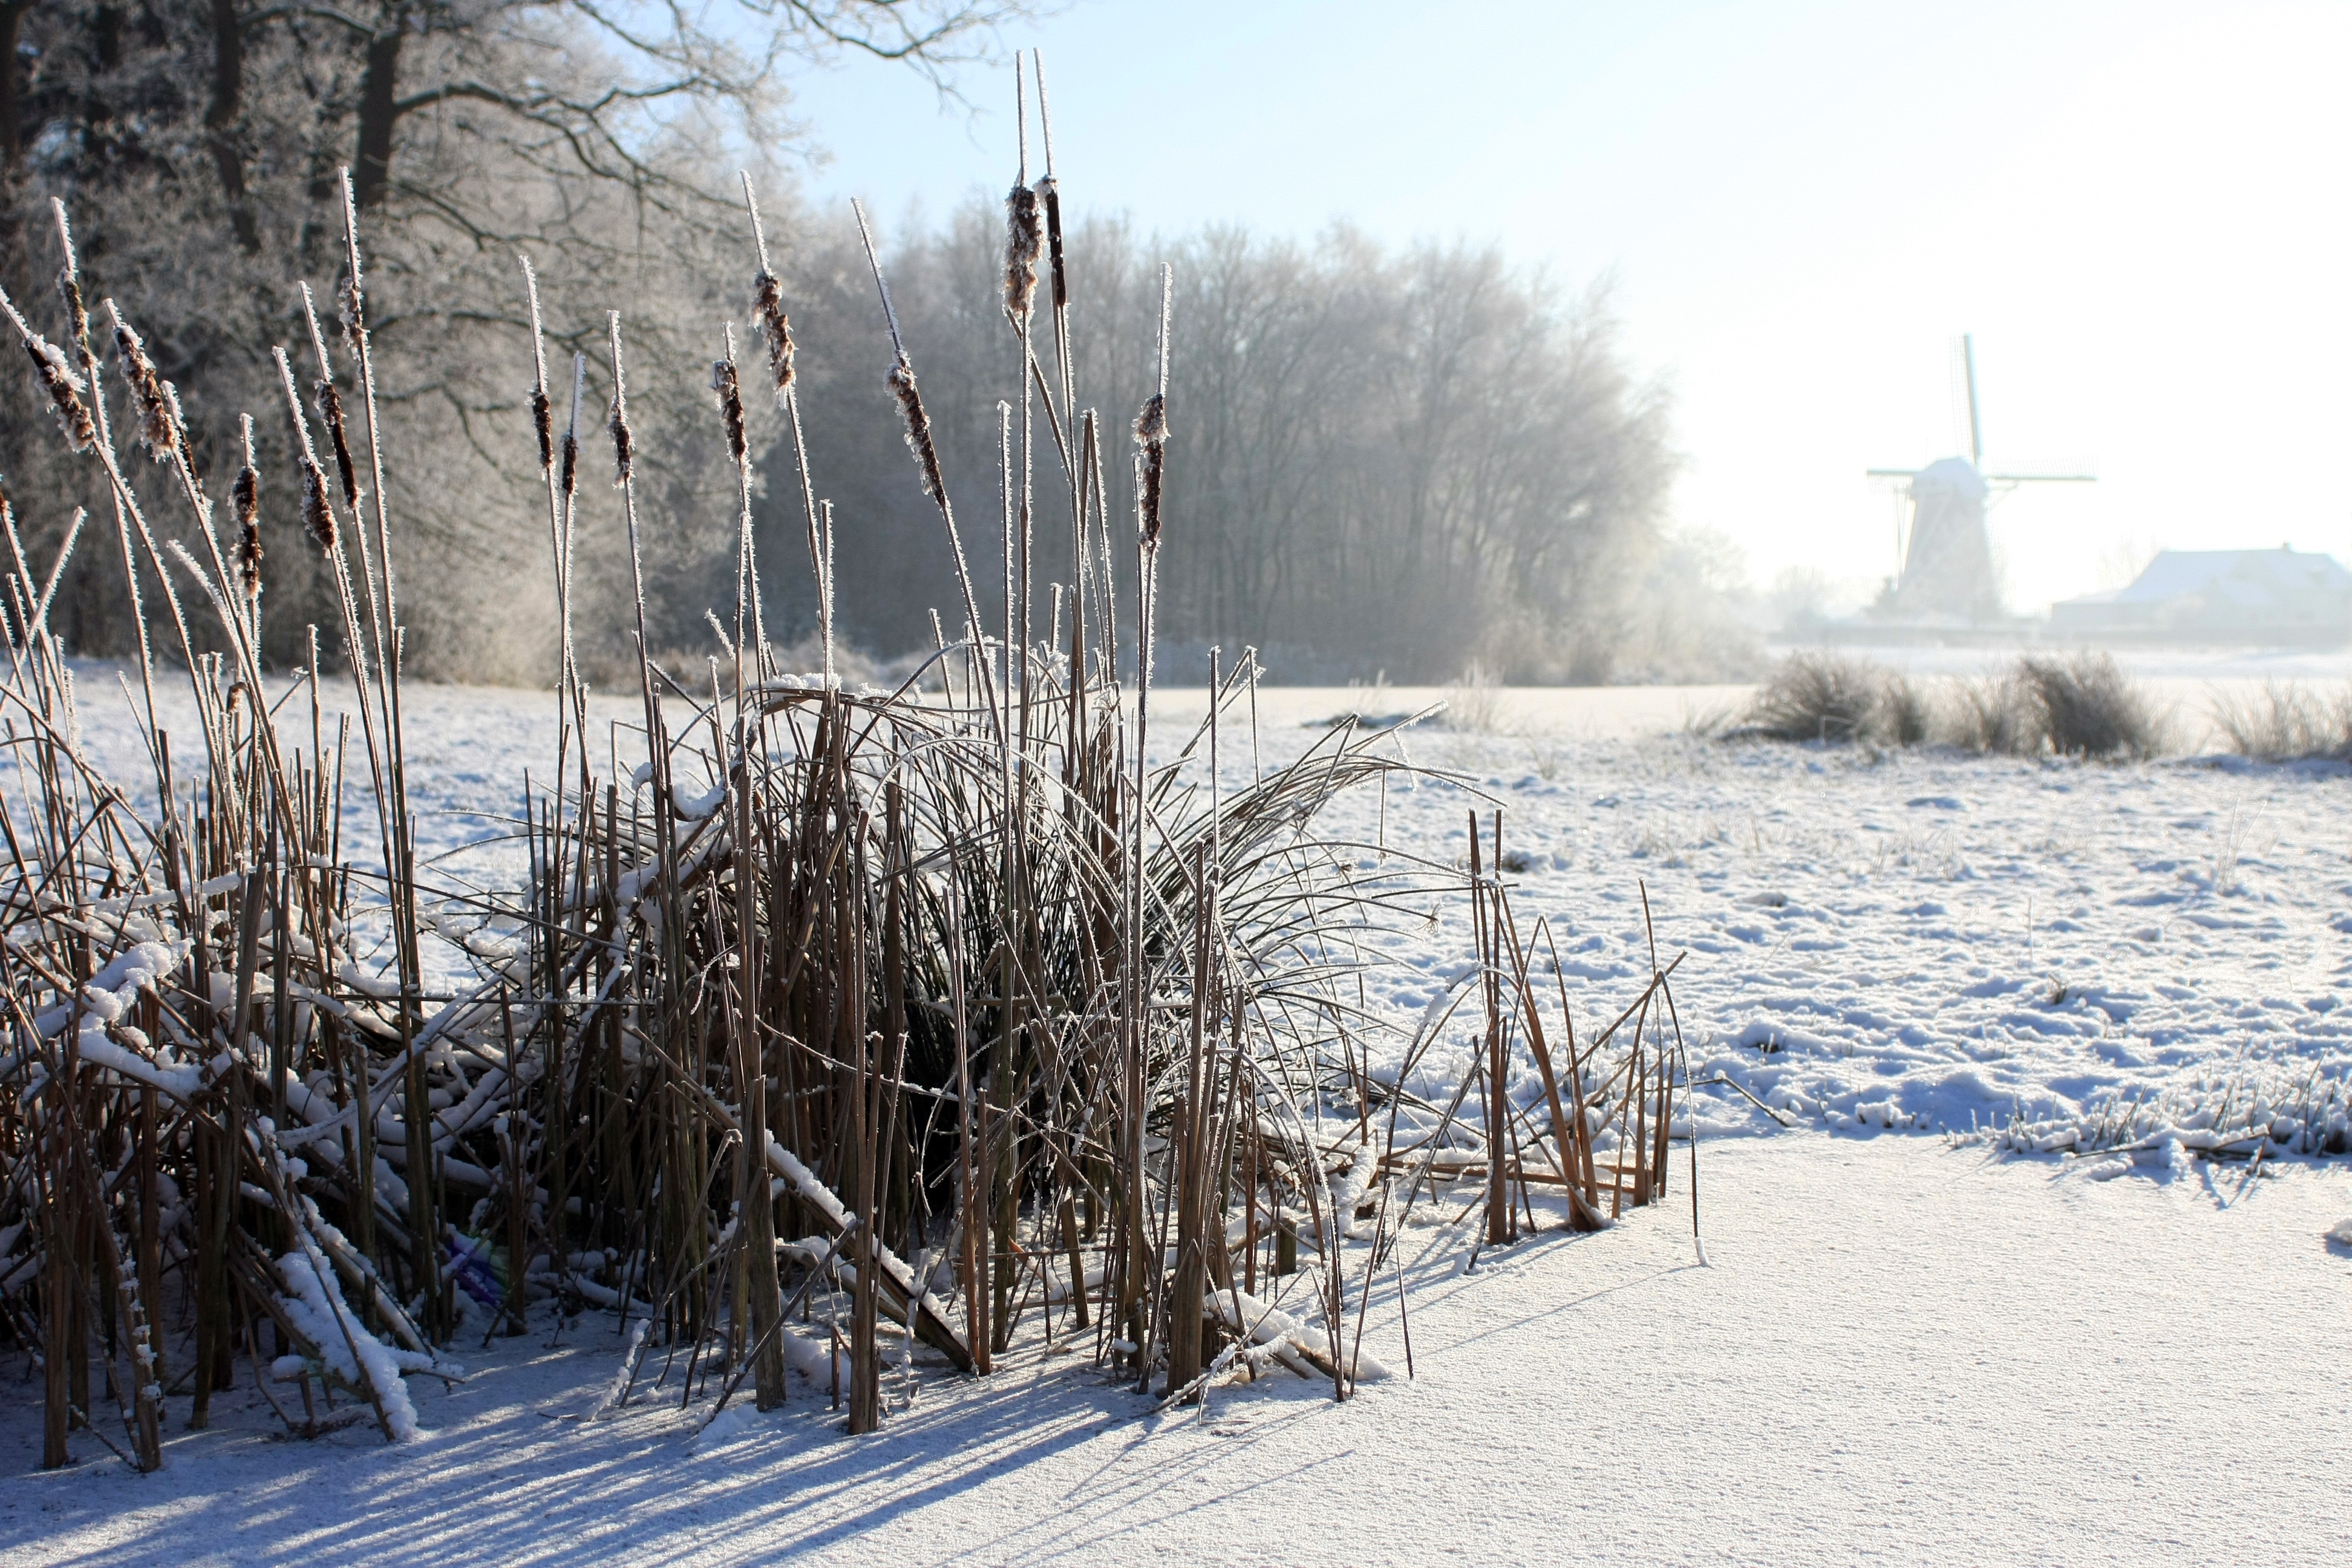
{"points": [[64, 387], [919, 429], [331, 414], [1021, 248], [160, 430], [349, 310], [901, 381], [769, 319], [329, 404], [725, 382], [767, 316], [69, 279], [316, 515], [245, 496], [624, 450], [69, 291], [1151, 434], [543, 412], [1050, 193], [570, 474]]}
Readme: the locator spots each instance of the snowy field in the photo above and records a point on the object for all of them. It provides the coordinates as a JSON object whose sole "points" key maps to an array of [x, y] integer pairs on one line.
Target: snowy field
{"points": [[1911, 1343], [1900, 1351]]}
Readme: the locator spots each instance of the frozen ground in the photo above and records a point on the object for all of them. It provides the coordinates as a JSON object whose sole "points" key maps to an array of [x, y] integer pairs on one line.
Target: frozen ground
{"points": [[1901, 1352], [1905, 1348]]}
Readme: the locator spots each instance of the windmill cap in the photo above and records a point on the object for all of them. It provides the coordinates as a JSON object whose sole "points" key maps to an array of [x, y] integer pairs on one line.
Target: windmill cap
{"points": [[1951, 476]]}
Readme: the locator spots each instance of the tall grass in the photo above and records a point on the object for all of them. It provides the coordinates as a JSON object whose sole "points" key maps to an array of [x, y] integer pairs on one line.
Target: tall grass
{"points": [[2088, 708], [950, 1003], [2078, 707], [2284, 721], [1474, 703], [1816, 696]]}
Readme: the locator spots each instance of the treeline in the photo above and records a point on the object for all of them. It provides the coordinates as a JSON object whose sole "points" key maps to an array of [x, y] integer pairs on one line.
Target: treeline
{"points": [[1378, 461], [1381, 460]]}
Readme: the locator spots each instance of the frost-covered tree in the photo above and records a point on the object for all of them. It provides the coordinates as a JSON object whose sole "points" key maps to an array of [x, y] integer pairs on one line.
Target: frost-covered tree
{"points": [[199, 146]]}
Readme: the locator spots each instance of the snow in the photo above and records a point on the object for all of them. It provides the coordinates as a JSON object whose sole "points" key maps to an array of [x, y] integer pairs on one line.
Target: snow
{"points": [[1903, 1350], [1921, 939], [2053, 1332], [314, 1305]]}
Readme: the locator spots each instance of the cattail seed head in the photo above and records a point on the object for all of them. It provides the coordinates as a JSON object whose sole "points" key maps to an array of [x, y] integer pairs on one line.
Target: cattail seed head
{"points": [[245, 496], [542, 419], [1152, 425], [1021, 248], [350, 311], [77, 313], [729, 386], [1151, 434], [318, 516], [57, 379], [918, 429], [331, 412], [624, 447], [161, 430], [570, 472], [769, 319], [1050, 194]]}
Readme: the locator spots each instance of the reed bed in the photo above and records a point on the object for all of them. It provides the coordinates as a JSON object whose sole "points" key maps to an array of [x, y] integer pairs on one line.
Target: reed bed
{"points": [[963, 1014]]}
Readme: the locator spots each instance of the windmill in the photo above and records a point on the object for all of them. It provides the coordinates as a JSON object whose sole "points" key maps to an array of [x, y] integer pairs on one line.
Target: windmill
{"points": [[1946, 567]]}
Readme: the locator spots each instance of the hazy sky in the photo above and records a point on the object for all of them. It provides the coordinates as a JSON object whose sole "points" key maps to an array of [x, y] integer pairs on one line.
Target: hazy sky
{"points": [[2140, 210]]}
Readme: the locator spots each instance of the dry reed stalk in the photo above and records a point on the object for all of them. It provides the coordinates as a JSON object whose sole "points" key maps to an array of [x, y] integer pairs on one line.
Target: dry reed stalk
{"points": [[901, 380]]}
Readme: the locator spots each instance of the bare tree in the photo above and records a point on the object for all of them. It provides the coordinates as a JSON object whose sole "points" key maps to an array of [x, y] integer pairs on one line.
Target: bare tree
{"points": [[201, 147]]}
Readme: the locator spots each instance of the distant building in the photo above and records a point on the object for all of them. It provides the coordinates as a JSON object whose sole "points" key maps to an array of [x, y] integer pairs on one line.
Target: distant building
{"points": [[2271, 597], [1947, 569]]}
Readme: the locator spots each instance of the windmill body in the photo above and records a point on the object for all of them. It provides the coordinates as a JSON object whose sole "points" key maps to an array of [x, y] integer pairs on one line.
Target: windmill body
{"points": [[1948, 565], [1947, 577]]}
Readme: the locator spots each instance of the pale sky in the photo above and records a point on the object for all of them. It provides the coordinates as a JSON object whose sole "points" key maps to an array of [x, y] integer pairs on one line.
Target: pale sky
{"points": [[2140, 211]]}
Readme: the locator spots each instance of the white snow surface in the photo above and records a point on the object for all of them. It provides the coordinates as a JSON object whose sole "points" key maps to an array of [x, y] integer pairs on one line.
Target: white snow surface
{"points": [[1921, 939], [1903, 1351]]}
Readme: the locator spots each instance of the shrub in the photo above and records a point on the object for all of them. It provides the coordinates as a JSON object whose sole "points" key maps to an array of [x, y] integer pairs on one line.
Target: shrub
{"points": [[2086, 707], [1903, 716], [1816, 696], [1991, 713]]}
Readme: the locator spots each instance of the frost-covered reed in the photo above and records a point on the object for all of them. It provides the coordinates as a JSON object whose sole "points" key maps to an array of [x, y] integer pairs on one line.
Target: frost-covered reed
{"points": [[948, 1006]]}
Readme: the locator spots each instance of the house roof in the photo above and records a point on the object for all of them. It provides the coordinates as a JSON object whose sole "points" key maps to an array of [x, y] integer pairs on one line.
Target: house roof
{"points": [[2247, 579]]}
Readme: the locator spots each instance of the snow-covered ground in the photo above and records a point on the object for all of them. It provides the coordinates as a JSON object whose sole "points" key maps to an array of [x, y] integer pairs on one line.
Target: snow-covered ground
{"points": [[1907, 1346], [1924, 937], [1900, 1351]]}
